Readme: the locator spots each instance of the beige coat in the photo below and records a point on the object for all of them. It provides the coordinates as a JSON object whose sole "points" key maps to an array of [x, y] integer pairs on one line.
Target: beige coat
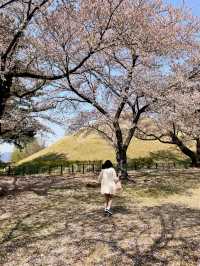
{"points": [[108, 179]]}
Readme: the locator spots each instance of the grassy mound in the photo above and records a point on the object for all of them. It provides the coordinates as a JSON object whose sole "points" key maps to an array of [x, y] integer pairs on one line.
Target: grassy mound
{"points": [[92, 147]]}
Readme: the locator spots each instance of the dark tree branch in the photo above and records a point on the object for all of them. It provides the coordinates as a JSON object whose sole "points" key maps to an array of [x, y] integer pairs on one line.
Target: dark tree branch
{"points": [[187, 151], [25, 74], [86, 98], [92, 51], [31, 92], [68, 99], [101, 132], [109, 20], [73, 70], [132, 130], [8, 3], [153, 137], [29, 8], [19, 34]]}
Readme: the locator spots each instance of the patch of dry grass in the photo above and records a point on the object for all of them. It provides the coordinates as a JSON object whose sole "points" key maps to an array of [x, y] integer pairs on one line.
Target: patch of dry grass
{"points": [[93, 147], [59, 221]]}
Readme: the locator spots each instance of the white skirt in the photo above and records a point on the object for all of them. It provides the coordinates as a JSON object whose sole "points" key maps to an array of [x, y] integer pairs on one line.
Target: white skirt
{"points": [[108, 188]]}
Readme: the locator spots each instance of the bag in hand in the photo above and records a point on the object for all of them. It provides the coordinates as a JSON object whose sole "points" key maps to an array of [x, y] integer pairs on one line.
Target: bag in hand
{"points": [[118, 185]]}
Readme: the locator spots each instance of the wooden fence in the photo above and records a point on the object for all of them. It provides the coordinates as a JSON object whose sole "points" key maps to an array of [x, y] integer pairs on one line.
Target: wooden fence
{"points": [[53, 170], [83, 168], [159, 166]]}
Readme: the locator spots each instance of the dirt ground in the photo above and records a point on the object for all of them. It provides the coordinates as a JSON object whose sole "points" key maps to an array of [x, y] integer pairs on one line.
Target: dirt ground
{"points": [[59, 221]]}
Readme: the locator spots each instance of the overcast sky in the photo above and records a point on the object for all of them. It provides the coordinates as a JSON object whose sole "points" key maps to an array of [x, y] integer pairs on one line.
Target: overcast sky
{"points": [[59, 132]]}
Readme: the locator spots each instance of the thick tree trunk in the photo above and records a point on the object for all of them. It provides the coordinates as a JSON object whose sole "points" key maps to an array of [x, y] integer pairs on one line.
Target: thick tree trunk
{"points": [[120, 152], [5, 86], [121, 158], [194, 156], [195, 162]]}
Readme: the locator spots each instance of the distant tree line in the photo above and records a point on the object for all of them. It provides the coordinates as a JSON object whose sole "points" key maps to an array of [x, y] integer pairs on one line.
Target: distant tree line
{"points": [[31, 148]]}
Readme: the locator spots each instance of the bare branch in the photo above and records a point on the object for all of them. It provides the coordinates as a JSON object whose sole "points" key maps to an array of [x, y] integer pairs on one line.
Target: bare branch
{"points": [[153, 137], [8, 3]]}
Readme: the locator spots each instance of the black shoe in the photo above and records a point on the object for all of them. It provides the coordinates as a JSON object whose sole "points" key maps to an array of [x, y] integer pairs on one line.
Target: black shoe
{"points": [[108, 212]]}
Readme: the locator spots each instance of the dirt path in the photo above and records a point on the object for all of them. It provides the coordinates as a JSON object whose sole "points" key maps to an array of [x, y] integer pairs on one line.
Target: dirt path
{"points": [[59, 221]]}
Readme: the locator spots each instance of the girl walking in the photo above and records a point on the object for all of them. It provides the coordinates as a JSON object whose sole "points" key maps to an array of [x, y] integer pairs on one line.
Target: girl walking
{"points": [[108, 179]]}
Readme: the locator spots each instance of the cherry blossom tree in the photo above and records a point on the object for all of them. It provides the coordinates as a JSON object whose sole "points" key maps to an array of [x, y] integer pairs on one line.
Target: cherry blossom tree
{"points": [[15, 121], [39, 38], [118, 84], [176, 118], [107, 54], [19, 122]]}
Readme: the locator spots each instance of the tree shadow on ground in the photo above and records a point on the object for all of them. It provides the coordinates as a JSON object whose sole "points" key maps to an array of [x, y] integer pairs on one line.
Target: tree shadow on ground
{"points": [[42, 165], [69, 223], [147, 183], [41, 184], [154, 183], [174, 238]]}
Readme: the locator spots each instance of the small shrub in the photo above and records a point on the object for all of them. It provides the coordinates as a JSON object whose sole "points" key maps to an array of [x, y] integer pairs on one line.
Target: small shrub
{"points": [[139, 163]]}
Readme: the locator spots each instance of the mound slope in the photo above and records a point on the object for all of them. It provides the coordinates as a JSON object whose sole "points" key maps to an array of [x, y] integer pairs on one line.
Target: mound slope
{"points": [[91, 147]]}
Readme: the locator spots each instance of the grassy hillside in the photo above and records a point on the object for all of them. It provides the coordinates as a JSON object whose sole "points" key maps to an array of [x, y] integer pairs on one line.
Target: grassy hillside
{"points": [[92, 147]]}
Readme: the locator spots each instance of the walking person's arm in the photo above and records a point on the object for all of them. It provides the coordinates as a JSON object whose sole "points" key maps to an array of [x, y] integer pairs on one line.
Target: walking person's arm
{"points": [[118, 185], [100, 176], [115, 177]]}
